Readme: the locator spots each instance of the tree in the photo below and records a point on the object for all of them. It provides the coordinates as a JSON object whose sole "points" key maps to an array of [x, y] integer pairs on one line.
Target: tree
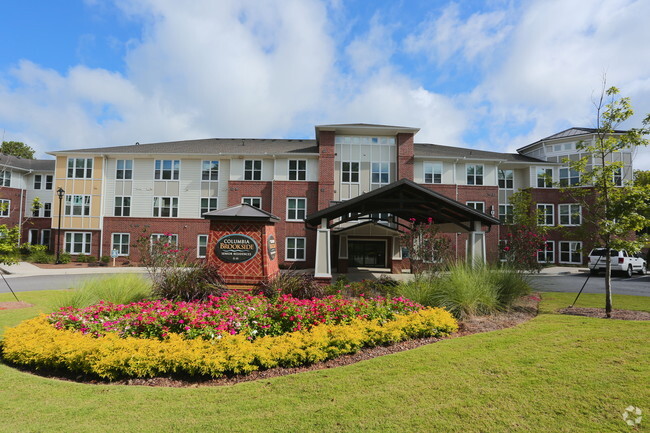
{"points": [[17, 148], [428, 249], [615, 209]]}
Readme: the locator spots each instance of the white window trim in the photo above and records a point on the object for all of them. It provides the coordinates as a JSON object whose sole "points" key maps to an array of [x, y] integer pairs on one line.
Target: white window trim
{"points": [[42, 236], [83, 205], [157, 236], [253, 170], [5, 213], [433, 165], [508, 206], [40, 181], [559, 250], [125, 169], [552, 179], [198, 246], [545, 251], [544, 214], [84, 243], [475, 175], [209, 171], [358, 173], [471, 203], [286, 249], [559, 213], [171, 206], [74, 168], [161, 170], [5, 176], [505, 179], [120, 254], [208, 198], [122, 207], [297, 171], [296, 219], [380, 172], [251, 198]]}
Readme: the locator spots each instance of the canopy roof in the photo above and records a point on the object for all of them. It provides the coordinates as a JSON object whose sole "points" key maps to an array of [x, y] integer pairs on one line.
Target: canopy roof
{"points": [[406, 199], [241, 212]]}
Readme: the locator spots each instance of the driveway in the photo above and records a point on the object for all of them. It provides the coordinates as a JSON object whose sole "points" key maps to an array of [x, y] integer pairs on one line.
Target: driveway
{"points": [[638, 285]]}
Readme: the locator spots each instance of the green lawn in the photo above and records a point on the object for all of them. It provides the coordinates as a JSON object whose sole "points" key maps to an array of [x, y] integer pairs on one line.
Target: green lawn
{"points": [[552, 374]]}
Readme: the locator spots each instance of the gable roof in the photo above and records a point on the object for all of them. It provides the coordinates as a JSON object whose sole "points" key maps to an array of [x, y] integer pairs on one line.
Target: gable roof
{"points": [[26, 164], [209, 146], [241, 212], [437, 150], [573, 132]]}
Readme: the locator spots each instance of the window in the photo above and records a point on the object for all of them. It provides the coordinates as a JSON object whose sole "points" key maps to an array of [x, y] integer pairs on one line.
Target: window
{"points": [[122, 206], [45, 237], [121, 242], [37, 181], [380, 173], [569, 177], [570, 214], [5, 178], [47, 210], [253, 169], [544, 178], [159, 237], [570, 252], [124, 169], [545, 215], [77, 205], [506, 213], [166, 207], [506, 179], [503, 250], [252, 201], [350, 172], [297, 169], [432, 172], [201, 246], [478, 205], [210, 170], [80, 168], [296, 209], [49, 180], [295, 249], [546, 254], [208, 204], [474, 174], [618, 176], [32, 237], [78, 242], [167, 169]]}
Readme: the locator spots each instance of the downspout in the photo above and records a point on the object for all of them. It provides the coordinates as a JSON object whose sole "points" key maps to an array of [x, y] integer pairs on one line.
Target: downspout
{"points": [[101, 209], [456, 187], [21, 212]]}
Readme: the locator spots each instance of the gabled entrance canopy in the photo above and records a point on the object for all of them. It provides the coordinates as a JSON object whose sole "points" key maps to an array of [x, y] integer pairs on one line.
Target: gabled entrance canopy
{"points": [[406, 199]]}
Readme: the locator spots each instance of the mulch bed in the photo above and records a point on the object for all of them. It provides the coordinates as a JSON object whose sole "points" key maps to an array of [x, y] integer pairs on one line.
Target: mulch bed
{"points": [[600, 313], [13, 305]]}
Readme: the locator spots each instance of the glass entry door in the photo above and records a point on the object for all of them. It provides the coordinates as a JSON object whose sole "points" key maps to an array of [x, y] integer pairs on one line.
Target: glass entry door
{"points": [[367, 254]]}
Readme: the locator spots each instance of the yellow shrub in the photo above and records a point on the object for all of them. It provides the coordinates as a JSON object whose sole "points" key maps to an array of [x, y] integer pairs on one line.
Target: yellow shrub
{"points": [[37, 344]]}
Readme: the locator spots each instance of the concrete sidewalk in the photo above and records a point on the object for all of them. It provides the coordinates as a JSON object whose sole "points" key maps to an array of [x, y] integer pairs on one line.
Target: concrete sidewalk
{"points": [[24, 269]]}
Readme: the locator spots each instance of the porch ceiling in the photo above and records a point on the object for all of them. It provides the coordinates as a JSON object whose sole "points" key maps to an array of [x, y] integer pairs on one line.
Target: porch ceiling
{"points": [[406, 199]]}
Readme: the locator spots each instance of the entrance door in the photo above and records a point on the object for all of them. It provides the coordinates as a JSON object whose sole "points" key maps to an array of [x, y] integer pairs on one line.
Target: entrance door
{"points": [[367, 254]]}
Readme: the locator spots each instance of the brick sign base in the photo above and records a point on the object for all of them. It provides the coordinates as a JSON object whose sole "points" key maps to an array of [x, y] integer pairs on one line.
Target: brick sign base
{"points": [[263, 266]]}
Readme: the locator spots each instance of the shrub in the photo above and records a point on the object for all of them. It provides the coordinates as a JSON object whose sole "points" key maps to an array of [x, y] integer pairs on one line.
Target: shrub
{"points": [[65, 257], [81, 258], [301, 286], [35, 343], [189, 283], [510, 284], [382, 287], [41, 257], [91, 259], [105, 259], [117, 289]]}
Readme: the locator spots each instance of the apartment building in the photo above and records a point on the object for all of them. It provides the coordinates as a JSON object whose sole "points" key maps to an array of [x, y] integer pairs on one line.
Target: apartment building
{"points": [[26, 187], [113, 195]]}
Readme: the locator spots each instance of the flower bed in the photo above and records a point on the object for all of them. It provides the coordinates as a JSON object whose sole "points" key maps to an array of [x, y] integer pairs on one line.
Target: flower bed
{"points": [[228, 335]]}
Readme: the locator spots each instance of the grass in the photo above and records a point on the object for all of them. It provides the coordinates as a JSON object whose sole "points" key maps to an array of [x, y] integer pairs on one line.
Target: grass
{"points": [[118, 289], [553, 374]]}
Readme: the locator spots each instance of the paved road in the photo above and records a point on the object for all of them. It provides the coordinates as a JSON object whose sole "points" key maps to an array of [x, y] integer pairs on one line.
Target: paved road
{"points": [[637, 285], [46, 282]]}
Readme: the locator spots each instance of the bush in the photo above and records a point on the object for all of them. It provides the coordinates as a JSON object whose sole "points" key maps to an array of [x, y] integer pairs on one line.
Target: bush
{"points": [[91, 259], [41, 257], [510, 283], [105, 259], [65, 258], [189, 283], [382, 287], [36, 343], [116, 289], [301, 286], [81, 258]]}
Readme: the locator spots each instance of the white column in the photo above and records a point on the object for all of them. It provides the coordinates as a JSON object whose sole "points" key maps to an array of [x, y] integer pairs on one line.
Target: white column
{"points": [[476, 245], [323, 267]]}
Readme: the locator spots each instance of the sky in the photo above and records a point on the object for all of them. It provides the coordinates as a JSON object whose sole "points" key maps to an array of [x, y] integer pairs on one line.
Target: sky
{"points": [[493, 74]]}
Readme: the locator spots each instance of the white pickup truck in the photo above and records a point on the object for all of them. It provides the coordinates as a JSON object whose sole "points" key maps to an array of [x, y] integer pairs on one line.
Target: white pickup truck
{"points": [[621, 262]]}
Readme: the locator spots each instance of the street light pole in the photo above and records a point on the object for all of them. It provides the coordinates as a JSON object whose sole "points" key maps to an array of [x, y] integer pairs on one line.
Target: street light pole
{"points": [[61, 193]]}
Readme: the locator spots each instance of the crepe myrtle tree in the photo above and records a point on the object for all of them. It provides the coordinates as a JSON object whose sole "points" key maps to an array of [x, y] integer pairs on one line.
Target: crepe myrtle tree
{"points": [[428, 249], [614, 209], [525, 235]]}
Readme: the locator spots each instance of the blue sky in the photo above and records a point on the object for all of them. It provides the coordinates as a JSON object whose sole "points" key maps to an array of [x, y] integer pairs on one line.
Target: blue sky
{"points": [[493, 74]]}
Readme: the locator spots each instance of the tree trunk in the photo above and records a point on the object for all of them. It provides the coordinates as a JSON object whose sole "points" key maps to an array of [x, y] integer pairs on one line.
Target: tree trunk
{"points": [[608, 283]]}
